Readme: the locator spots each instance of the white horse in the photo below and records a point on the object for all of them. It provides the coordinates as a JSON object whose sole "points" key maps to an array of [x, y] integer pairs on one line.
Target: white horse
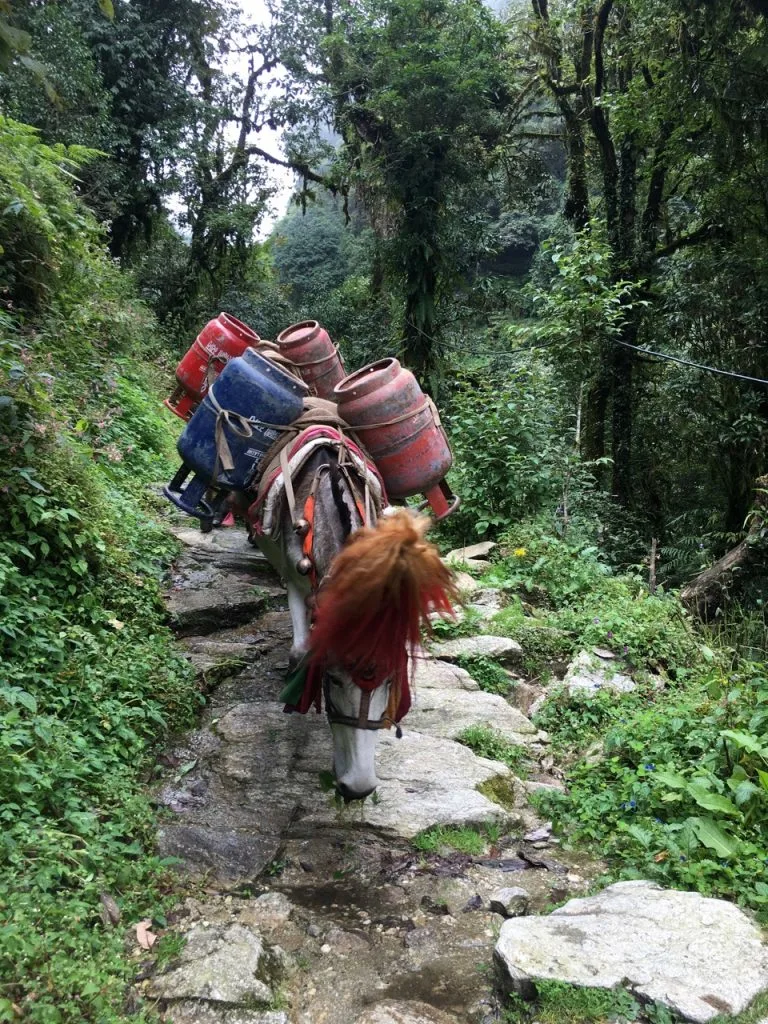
{"points": [[361, 585]]}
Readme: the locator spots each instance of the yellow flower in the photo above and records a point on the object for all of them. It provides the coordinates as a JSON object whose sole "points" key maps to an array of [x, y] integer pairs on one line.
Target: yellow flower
{"points": [[520, 552]]}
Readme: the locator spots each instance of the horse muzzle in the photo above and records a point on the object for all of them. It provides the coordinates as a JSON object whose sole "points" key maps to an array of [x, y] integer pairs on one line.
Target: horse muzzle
{"points": [[349, 795]]}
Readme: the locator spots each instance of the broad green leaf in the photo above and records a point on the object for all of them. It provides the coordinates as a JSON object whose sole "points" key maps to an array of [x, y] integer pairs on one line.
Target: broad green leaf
{"points": [[744, 740], [26, 700], [712, 801], [763, 776], [671, 779], [107, 9], [714, 838], [744, 791]]}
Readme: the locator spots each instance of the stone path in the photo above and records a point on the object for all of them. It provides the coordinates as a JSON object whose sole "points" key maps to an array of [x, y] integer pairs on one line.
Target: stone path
{"points": [[305, 912], [312, 912]]}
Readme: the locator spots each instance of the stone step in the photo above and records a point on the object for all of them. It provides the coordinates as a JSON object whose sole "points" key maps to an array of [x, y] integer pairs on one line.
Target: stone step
{"points": [[203, 611]]}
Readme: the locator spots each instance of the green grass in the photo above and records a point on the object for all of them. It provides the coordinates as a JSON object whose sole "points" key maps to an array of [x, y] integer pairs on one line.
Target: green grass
{"points": [[558, 1003], [465, 840], [91, 679], [485, 741], [488, 675]]}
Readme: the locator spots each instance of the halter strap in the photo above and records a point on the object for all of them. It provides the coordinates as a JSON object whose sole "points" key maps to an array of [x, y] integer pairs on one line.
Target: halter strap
{"points": [[362, 721]]}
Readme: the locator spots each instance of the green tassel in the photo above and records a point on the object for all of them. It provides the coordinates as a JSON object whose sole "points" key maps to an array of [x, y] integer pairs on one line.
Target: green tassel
{"points": [[294, 683]]}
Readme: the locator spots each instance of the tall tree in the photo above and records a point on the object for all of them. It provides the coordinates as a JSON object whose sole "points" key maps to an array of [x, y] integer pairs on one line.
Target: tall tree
{"points": [[417, 92], [626, 80]]}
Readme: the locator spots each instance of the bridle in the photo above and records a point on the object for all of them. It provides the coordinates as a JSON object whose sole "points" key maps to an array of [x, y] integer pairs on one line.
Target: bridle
{"points": [[362, 721]]}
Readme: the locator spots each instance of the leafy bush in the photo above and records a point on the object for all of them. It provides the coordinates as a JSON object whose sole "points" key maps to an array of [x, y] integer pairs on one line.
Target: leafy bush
{"points": [[680, 791], [585, 602], [488, 674], [507, 447]]}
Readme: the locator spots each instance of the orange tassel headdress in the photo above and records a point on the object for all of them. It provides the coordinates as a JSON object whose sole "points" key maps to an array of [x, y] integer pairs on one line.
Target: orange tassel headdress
{"points": [[376, 601]]}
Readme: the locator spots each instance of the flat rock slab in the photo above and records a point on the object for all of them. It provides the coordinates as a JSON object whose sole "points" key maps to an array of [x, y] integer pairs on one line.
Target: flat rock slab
{"points": [[447, 713], [471, 552], [590, 674], [500, 648], [424, 781], [393, 1011], [441, 675], [218, 965], [700, 957], [213, 608], [225, 541]]}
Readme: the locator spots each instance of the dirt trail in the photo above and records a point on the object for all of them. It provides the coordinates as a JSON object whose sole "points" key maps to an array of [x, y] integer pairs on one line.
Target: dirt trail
{"points": [[312, 913]]}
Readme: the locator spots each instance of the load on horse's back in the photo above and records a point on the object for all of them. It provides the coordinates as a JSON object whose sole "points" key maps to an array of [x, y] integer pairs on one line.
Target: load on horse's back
{"points": [[312, 483]]}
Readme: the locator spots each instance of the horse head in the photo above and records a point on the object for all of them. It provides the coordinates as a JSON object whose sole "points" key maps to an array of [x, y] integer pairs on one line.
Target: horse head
{"points": [[360, 589]]}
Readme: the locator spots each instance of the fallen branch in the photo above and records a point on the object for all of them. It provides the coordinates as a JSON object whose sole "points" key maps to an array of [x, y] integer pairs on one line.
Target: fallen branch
{"points": [[705, 593]]}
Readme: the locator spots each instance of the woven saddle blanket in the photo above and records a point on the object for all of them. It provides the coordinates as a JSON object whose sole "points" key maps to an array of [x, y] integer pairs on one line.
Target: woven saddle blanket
{"points": [[318, 427]]}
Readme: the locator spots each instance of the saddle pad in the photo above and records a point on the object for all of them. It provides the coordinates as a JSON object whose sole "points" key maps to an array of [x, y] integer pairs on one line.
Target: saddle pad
{"points": [[264, 513]]}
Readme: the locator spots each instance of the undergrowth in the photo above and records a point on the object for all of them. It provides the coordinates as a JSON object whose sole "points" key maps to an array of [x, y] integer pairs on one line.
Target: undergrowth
{"points": [[487, 673], [90, 678], [670, 781], [464, 839]]}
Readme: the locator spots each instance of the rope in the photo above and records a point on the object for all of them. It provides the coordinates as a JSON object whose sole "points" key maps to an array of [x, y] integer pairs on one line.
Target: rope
{"points": [[688, 362], [323, 359], [396, 419]]}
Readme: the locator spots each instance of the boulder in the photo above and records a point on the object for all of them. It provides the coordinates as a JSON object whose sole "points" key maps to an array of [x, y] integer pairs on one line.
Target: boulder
{"points": [[487, 603], [699, 956], [217, 965], [467, 555], [590, 674], [501, 648], [447, 713], [510, 902], [441, 675], [424, 781], [467, 584], [199, 611]]}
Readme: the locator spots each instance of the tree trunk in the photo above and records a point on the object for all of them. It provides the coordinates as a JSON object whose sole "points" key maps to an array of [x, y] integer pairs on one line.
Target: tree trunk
{"points": [[707, 591], [621, 422]]}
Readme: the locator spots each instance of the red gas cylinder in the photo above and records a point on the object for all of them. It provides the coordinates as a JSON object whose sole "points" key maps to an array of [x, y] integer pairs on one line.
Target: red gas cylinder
{"points": [[309, 346], [219, 341], [401, 428]]}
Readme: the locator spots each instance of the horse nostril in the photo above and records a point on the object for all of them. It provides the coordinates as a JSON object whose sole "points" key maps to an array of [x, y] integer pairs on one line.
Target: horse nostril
{"points": [[348, 795]]}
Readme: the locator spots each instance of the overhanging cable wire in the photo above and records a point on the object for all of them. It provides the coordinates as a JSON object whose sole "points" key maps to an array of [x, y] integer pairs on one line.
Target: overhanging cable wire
{"points": [[689, 362]]}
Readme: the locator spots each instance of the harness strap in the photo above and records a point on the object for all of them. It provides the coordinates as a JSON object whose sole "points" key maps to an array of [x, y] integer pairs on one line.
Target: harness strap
{"points": [[239, 425], [290, 495], [362, 721]]}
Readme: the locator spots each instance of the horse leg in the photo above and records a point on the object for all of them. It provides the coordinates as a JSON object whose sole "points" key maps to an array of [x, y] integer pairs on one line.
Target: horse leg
{"points": [[297, 606]]}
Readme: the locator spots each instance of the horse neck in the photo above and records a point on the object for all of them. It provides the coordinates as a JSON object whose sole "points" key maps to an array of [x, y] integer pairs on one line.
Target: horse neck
{"points": [[336, 512]]}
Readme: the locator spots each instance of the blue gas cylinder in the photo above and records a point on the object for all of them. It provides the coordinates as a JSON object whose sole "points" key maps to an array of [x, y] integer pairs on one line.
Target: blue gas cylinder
{"points": [[229, 433]]}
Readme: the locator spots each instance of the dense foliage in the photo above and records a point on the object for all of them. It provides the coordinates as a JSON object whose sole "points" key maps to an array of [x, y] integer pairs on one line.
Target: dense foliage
{"points": [[89, 676], [669, 781]]}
